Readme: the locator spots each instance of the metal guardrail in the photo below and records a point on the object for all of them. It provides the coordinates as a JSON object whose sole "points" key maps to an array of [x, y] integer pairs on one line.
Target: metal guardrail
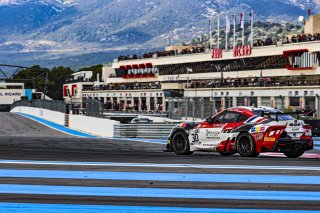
{"points": [[153, 130]]}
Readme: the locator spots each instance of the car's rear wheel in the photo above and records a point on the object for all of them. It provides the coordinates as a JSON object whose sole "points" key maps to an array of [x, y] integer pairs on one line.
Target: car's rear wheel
{"points": [[246, 146], [226, 153], [294, 154], [180, 144]]}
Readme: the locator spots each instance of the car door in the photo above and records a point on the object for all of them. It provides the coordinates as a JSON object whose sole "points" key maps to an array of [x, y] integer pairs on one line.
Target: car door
{"points": [[231, 121], [211, 134]]}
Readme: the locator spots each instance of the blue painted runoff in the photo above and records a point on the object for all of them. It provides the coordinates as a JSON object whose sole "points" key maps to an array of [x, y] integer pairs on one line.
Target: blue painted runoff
{"points": [[81, 134], [57, 126], [317, 143], [153, 176], [158, 192], [76, 208]]}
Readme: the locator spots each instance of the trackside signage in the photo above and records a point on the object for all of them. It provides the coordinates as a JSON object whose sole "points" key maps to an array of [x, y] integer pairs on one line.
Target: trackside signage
{"points": [[8, 96], [10, 93], [216, 53], [242, 51]]}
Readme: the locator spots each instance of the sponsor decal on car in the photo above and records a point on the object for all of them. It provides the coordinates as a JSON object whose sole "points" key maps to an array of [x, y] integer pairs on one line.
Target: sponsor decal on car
{"points": [[270, 139], [212, 134], [208, 144], [182, 125], [258, 129]]}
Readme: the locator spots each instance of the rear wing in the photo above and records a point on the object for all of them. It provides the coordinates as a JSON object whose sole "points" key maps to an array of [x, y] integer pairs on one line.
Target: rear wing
{"points": [[268, 114]]}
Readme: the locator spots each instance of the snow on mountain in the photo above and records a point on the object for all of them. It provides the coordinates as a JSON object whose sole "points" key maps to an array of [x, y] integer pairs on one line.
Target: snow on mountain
{"points": [[69, 27], [50, 2]]}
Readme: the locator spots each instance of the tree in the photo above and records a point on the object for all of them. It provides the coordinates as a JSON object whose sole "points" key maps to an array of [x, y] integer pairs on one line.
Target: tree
{"points": [[57, 77], [33, 77]]}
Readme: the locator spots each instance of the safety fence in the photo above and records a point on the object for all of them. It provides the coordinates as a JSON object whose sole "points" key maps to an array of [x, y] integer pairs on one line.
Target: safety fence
{"points": [[195, 108], [58, 106], [154, 130]]}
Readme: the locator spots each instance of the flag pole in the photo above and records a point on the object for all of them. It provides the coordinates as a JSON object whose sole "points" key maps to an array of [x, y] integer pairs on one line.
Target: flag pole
{"points": [[242, 26], [226, 41], [218, 31], [210, 32], [234, 31], [251, 20], [227, 30]]}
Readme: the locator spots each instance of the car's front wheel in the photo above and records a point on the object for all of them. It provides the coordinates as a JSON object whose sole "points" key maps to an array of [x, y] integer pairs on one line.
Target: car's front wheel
{"points": [[180, 144], [294, 154], [246, 146]]}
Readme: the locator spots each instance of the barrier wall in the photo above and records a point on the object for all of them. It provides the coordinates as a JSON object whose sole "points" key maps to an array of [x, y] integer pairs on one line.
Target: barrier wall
{"points": [[53, 116], [96, 126]]}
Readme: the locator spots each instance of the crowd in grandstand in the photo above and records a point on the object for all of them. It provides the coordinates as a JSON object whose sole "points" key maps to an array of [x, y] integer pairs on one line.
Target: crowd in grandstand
{"points": [[305, 38], [79, 79], [191, 50], [252, 82], [201, 49], [286, 40], [116, 106], [129, 86]]}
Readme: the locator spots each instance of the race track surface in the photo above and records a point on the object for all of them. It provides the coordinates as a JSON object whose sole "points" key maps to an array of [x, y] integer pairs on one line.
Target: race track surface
{"points": [[42, 170]]}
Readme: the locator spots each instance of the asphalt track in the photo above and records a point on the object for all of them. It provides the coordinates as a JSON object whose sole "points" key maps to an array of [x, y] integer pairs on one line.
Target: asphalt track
{"points": [[43, 170]]}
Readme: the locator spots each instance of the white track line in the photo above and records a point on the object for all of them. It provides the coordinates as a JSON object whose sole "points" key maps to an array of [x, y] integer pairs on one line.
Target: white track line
{"points": [[155, 165]]}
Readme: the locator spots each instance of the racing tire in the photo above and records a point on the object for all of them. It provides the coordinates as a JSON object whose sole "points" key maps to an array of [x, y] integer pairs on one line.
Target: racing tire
{"points": [[226, 153], [246, 146], [294, 154], [180, 144]]}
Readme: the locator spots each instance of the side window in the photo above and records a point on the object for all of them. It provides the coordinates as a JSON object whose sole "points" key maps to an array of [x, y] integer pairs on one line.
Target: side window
{"points": [[230, 117], [242, 118], [218, 118]]}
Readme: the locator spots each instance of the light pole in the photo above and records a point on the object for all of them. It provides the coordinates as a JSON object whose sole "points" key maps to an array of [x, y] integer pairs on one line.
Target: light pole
{"points": [[189, 70], [318, 106], [282, 102], [247, 99]]}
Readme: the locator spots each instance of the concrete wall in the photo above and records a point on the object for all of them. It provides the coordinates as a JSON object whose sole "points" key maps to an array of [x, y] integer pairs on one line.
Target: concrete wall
{"points": [[53, 116], [96, 126]]}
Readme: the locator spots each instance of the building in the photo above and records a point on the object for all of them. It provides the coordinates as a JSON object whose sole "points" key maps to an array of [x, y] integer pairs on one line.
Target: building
{"points": [[11, 92], [198, 82]]}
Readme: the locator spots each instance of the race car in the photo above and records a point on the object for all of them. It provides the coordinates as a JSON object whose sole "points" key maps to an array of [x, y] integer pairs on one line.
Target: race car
{"points": [[244, 130]]}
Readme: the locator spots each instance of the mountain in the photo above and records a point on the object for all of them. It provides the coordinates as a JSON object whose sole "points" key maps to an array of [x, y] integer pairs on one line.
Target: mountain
{"points": [[49, 30]]}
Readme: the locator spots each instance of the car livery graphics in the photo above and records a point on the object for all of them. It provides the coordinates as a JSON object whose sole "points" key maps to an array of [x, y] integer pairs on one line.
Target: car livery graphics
{"points": [[243, 130]]}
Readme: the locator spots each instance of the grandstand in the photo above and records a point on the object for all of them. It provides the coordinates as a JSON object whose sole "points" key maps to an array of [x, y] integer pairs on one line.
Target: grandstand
{"points": [[194, 82]]}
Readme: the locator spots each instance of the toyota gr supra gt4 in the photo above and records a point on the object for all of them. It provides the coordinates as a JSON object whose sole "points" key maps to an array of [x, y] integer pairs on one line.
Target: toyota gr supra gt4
{"points": [[244, 130]]}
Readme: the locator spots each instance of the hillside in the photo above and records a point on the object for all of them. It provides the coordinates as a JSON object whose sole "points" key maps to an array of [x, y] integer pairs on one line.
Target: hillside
{"points": [[45, 31]]}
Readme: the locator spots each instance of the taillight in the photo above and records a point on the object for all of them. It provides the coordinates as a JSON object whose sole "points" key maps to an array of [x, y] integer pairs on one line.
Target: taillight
{"points": [[307, 130]]}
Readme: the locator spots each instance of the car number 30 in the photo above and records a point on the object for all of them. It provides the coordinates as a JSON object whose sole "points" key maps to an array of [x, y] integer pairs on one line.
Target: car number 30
{"points": [[195, 137]]}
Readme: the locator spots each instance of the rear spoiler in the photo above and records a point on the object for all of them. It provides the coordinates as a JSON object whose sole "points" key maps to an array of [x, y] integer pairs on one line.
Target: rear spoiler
{"points": [[263, 114]]}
